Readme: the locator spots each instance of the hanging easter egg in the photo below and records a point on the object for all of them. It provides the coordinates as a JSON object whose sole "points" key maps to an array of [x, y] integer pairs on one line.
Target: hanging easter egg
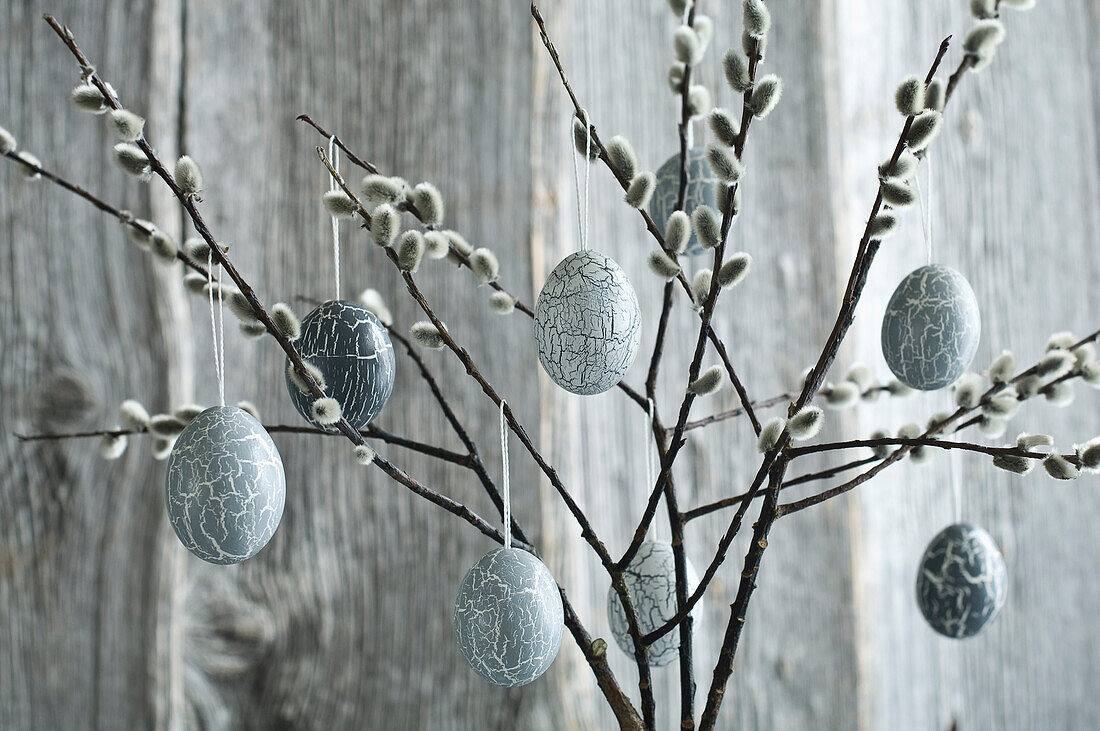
{"points": [[931, 328], [509, 617], [700, 190], [651, 582], [587, 323], [224, 486], [354, 354], [962, 581]]}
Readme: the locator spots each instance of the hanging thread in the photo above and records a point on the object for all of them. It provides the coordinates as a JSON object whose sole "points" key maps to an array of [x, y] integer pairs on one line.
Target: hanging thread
{"points": [[582, 211], [506, 481], [334, 157], [217, 326], [956, 486], [926, 208]]}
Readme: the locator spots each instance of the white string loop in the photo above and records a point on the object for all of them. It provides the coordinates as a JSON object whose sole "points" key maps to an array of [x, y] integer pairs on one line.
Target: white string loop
{"points": [[334, 157], [926, 208], [582, 210], [217, 326], [506, 482]]}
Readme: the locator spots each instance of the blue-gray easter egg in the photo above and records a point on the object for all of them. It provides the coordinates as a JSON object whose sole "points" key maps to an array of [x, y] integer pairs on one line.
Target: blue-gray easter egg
{"points": [[651, 582], [700, 191], [353, 351], [962, 581], [931, 328], [587, 323], [509, 617], [224, 486]]}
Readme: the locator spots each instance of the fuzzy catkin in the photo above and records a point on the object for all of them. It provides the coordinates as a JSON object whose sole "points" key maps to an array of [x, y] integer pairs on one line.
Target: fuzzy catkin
{"points": [[427, 335], [806, 424], [935, 96], [132, 160], [623, 160], [724, 163], [364, 455], [31, 165], [436, 245], [380, 189], [736, 67], [677, 232], [384, 225], [582, 140], [253, 330], [701, 286], [898, 194], [686, 44], [1059, 467], [699, 100], [429, 203], [161, 448], [883, 450], [7, 142], [755, 18], [166, 425], [708, 381], [286, 322], [924, 129], [676, 77], [339, 204], [704, 28], [188, 176], [723, 126], [133, 415], [883, 225], [1002, 367], [88, 98], [841, 395], [326, 411], [194, 282], [765, 95], [112, 446], [410, 251], [301, 383], [373, 301], [485, 265], [909, 96], [904, 168], [1013, 463], [734, 271], [1055, 364], [1089, 455], [662, 265], [188, 412], [502, 303], [770, 433], [163, 246], [126, 125], [707, 225], [984, 37], [641, 189], [241, 307]]}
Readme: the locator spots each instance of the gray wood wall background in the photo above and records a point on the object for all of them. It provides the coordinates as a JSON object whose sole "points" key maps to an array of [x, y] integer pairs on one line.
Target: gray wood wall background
{"points": [[344, 620]]}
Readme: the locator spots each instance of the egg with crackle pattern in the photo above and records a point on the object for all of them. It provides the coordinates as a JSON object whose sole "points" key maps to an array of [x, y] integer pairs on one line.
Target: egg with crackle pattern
{"points": [[962, 581], [354, 354], [931, 328], [700, 191], [587, 323], [509, 617], [224, 486], [651, 582]]}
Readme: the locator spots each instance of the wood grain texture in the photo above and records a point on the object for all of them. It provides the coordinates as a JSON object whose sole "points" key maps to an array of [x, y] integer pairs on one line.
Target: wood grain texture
{"points": [[344, 621]]}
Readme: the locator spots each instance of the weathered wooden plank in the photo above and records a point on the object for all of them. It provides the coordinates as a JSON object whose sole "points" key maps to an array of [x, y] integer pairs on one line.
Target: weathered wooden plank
{"points": [[1014, 209]]}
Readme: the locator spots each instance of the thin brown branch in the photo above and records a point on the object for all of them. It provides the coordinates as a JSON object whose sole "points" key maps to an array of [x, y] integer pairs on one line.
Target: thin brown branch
{"points": [[124, 217]]}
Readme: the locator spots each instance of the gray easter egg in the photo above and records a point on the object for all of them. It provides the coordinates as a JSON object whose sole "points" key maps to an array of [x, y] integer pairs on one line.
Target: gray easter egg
{"points": [[587, 323], [509, 617], [700, 191], [224, 486], [962, 581], [651, 582], [353, 351], [931, 328]]}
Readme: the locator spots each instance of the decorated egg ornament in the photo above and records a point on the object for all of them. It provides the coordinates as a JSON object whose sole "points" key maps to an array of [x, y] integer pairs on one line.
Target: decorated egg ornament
{"points": [[587, 323], [651, 581], [224, 486], [962, 581], [354, 354], [700, 190], [931, 328], [509, 617]]}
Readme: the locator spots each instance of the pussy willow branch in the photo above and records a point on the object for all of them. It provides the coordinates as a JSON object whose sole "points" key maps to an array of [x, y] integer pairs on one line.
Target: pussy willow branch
{"points": [[460, 257], [707, 311], [587, 532], [898, 454], [125, 218], [601, 669]]}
